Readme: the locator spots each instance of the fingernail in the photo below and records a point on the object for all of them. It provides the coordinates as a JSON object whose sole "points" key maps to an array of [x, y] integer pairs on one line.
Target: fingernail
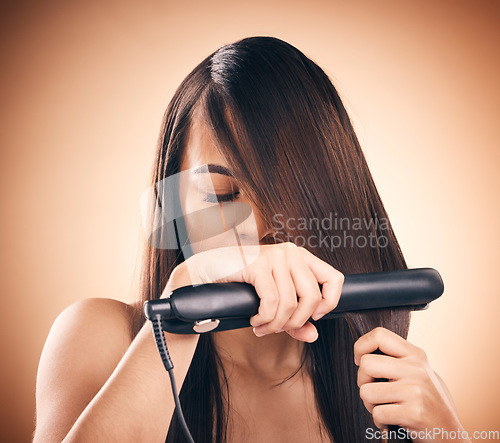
{"points": [[258, 334], [318, 315], [281, 330]]}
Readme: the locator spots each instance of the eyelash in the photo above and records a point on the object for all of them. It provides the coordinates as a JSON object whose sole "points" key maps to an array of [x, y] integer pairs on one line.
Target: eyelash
{"points": [[217, 198]]}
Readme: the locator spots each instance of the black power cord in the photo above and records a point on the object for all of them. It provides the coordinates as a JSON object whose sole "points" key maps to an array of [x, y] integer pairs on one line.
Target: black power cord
{"points": [[161, 344]]}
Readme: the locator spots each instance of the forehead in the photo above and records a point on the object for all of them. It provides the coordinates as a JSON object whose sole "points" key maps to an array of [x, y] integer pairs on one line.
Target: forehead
{"points": [[199, 148]]}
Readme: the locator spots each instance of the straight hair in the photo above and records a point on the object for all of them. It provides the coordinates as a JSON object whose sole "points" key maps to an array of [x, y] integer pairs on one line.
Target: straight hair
{"points": [[278, 121]]}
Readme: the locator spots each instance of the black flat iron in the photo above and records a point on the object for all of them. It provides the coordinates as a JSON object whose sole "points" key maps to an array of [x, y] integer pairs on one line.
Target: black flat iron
{"points": [[223, 306]]}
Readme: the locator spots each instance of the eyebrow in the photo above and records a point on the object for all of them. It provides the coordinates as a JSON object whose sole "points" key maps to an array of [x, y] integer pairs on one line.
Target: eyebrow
{"points": [[212, 168]]}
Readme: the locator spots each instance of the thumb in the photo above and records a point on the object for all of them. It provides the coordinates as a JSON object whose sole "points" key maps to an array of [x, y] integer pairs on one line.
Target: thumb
{"points": [[307, 333], [220, 264]]}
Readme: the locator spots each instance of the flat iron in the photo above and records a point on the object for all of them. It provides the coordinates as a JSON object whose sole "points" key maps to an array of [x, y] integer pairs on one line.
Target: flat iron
{"points": [[223, 306]]}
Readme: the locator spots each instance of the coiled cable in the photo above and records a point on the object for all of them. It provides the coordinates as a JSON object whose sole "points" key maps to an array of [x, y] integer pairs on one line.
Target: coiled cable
{"points": [[161, 344]]}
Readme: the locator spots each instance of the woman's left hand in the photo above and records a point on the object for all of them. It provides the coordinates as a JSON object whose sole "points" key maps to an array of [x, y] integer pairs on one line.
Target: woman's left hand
{"points": [[413, 397]]}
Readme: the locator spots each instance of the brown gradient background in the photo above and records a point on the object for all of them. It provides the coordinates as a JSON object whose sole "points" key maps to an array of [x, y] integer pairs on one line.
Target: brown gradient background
{"points": [[84, 86]]}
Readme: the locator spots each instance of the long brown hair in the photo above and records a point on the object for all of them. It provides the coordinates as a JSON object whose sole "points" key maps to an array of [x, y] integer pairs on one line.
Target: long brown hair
{"points": [[281, 126]]}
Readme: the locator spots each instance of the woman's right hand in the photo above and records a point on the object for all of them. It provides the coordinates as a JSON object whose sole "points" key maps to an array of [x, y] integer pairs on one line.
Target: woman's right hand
{"points": [[286, 277]]}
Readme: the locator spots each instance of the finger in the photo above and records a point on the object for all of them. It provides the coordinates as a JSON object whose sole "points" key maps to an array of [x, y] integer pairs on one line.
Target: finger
{"points": [[374, 366], [309, 295], [331, 280], [376, 393], [286, 290], [307, 333], [267, 291], [387, 341]]}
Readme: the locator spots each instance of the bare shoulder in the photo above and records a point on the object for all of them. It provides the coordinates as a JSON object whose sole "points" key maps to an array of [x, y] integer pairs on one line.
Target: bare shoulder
{"points": [[93, 318], [85, 343]]}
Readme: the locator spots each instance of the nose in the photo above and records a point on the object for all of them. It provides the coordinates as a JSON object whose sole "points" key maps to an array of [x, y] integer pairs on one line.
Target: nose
{"points": [[268, 239], [267, 234], [255, 229]]}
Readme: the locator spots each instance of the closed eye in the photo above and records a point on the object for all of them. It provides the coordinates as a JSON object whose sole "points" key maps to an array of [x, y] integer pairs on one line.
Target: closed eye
{"points": [[217, 198]]}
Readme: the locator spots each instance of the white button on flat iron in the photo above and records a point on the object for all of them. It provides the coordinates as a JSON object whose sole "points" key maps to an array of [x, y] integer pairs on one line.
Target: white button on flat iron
{"points": [[208, 325]]}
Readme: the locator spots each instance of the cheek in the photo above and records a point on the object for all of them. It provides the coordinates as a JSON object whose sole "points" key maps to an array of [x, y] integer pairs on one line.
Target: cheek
{"points": [[186, 195], [212, 227], [204, 228], [218, 241]]}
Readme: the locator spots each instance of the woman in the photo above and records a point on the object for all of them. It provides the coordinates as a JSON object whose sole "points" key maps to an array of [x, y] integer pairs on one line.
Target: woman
{"points": [[273, 125]]}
